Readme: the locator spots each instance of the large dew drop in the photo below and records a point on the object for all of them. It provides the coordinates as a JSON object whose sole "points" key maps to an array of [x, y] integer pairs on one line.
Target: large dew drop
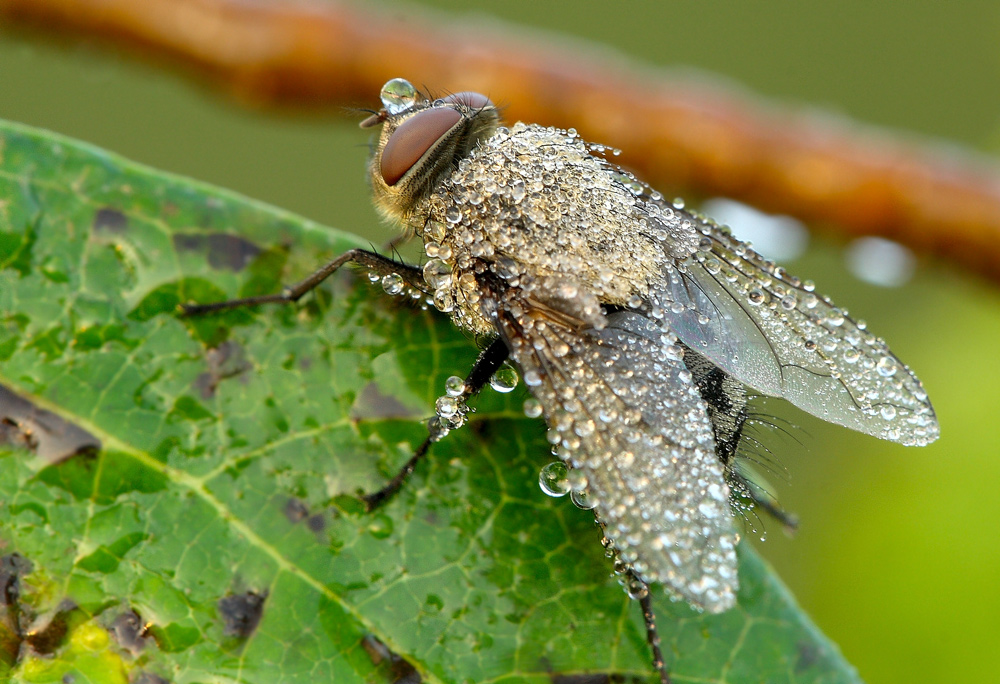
{"points": [[392, 283], [504, 380], [554, 479], [398, 95]]}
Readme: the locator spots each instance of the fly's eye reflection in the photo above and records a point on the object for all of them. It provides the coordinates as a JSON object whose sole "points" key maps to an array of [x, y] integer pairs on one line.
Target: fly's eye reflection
{"points": [[638, 326]]}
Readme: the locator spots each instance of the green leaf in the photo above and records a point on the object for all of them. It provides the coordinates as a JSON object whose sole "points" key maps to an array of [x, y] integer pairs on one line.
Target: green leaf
{"points": [[232, 451]]}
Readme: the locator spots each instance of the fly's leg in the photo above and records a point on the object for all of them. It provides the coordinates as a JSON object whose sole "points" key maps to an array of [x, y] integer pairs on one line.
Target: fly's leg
{"points": [[649, 617], [486, 365], [370, 260], [637, 589]]}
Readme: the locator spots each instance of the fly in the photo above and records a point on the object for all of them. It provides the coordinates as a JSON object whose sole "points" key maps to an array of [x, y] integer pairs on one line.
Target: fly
{"points": [[636, 324]]}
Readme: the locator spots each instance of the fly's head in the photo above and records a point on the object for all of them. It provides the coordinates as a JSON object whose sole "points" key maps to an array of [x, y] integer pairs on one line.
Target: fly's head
{"points": [[422, 141]]}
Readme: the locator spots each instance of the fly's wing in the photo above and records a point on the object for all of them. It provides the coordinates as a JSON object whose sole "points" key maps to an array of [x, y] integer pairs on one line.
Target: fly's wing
{"points": [[626, 415], [772, 332]]}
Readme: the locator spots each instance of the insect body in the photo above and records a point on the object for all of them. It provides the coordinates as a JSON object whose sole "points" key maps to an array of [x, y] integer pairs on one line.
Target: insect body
{"points": [[635, 324], [610, 300]]}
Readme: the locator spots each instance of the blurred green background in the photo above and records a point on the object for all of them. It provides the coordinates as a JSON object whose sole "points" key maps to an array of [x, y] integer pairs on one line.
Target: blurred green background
{"points": [[897, 557]]}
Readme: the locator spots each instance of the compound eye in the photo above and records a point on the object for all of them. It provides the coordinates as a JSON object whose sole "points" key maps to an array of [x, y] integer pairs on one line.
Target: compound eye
{"points": [[412, 139], [470, 99]]}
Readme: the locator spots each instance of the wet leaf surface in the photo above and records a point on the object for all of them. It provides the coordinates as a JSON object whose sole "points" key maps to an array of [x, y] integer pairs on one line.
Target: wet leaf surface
{"points": [[233, 450]]}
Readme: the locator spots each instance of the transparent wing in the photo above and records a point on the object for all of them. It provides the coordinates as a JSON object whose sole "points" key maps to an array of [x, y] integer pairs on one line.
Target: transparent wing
{"points": [[773, 333], [626, 415]]}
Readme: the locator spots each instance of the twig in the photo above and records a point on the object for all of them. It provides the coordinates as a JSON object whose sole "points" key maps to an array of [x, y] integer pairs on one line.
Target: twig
{"points": [[709, 139]]}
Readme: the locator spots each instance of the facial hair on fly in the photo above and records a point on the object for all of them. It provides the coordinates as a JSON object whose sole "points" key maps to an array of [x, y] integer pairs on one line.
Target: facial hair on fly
{"points": [[637, 326]]}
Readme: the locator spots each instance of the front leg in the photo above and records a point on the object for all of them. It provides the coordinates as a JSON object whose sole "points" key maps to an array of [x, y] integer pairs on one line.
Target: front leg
{"points": [[371, 260]]}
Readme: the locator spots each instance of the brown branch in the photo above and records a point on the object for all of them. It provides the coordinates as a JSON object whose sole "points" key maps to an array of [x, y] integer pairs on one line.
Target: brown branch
{"points": [[674, 132]]}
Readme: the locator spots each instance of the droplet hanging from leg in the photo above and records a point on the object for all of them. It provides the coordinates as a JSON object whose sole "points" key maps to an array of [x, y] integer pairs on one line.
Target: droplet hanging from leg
{"points": [[490, 359]]}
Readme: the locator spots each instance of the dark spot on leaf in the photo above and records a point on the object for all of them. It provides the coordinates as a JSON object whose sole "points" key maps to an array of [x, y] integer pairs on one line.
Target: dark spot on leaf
{"points": [[68, 679], [808, 656], [316, 523], [242, 612], [13, 622], [49, 637], [130, 632], [371, 403], [110, 220], [399, 670], [224, 250], [226, 361], [144, 677], [230, 251], [12, 568], [52, 438], [188, 242], [296, 510]]}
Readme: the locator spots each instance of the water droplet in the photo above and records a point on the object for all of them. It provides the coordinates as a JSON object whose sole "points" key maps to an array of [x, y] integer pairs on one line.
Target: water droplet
{"points": [[398, 95], [886, 367], [636, 588], [505, 379], [380, 527], [434, 231], [756, 296], [437, 274], [532, 408], [446, 407], [532, 378], [453, 215], [888, 412], [392, 283], [454, 386], [582, 499], [554, 480], [443, 300]]}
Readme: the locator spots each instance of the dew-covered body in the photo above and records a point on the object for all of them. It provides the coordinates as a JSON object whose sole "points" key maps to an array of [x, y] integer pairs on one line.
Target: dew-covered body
{"points": [[600, 289]]}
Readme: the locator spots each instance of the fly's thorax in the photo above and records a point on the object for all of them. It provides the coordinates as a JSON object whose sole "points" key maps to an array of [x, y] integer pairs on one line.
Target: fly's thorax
{"points": [[538, 211]]}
